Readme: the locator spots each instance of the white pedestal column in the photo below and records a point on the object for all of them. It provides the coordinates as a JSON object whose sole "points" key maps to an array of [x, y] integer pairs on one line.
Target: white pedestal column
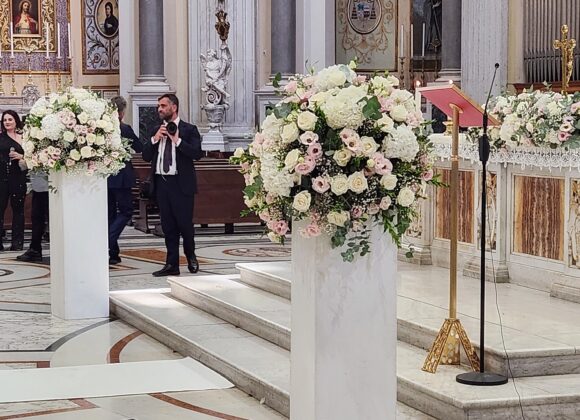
{"points": [[79, 271], [344, 331]]}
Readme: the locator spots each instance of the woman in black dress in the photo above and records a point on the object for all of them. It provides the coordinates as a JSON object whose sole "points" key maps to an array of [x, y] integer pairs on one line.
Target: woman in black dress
{"points": [[12, 177]]}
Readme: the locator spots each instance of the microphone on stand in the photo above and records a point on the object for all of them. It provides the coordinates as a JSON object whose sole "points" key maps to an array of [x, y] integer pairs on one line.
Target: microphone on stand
{"points": [[484, 140]]}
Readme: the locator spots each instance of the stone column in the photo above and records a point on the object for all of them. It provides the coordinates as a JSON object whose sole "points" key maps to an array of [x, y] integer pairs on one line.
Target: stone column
{"points": [[283, 37], [151, 82], [451, 41], [151, 64]]}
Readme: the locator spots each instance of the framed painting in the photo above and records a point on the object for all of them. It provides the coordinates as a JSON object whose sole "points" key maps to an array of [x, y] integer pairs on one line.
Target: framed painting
{"points": [[100, 36], [367, 30], [28, 19]]}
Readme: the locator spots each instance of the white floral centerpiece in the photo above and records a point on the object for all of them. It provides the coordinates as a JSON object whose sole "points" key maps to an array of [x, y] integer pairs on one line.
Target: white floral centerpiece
{"points": [[535, 119], [74, 131], [341, 151]]}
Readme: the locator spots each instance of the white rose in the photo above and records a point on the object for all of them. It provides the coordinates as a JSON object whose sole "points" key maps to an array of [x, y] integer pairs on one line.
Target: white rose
{"points": [[342, 157], [389, 182], [239, 152], [291, 159], [386, 123], [406, 197], [28, 147], [69, 136], [338, 218], [87, 152], [274, 238], [385, 203], [369, 146], [399, 113], [102, 124], [75, 155], [83, 117], [339, 184], [290, 133], [91, 138], [302, 201], [307, 121], [357, 182], [99, 140]]}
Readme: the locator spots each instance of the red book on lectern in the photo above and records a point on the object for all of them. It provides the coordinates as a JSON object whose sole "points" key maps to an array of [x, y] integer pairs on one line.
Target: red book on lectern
{"points": [[443, 96]]}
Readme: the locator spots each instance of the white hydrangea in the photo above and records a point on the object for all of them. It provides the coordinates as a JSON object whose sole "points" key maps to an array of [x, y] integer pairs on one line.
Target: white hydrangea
{"points": [[334, 76], [271, 127], [52, 127], [80, 94], [40, 108], [401, 144], [345, 109], [276, 180], [93, 107]]}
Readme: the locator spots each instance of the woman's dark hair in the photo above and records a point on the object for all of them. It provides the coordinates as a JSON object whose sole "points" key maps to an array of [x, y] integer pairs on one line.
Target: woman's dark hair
{"points": [[109, 5], [16, 117]]}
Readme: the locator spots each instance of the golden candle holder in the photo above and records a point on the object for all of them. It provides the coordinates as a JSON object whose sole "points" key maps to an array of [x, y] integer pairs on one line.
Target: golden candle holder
{"points": [[59, 86], [13, 91], [402, 73], [47, 90], [70, 72]]}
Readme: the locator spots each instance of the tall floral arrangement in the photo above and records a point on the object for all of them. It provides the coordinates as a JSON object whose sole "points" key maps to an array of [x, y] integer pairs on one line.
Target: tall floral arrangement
{"points": [[74, 131], [343, 152], [544, 119]]}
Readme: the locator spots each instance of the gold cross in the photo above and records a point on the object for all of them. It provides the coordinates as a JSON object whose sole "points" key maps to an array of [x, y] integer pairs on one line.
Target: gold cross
{"points": [[567, 47]]}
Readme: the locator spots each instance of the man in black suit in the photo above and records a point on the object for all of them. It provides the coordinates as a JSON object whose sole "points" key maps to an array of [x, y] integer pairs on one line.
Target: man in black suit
{"points": [[119, 187], [171, 154]]}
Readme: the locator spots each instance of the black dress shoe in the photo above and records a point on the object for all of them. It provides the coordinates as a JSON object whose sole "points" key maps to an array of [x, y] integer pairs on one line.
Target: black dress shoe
{"points": [[114, 260], [192, 264], [168, 270], [30, 256]]}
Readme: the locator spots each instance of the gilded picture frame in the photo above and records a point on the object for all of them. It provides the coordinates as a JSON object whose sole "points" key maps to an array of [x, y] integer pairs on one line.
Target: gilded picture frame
{"points": [[30, 33]]}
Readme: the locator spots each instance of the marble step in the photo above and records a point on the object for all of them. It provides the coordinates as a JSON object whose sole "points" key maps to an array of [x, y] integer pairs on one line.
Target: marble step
{"points": [[257, 367], [540, 333], [262, 369]]}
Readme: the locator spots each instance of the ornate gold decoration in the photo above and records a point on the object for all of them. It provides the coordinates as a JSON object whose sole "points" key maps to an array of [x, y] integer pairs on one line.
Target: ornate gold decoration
{"points": [[222, 26], [567, 47], [29, 43], [47, 91], [452, 332]]}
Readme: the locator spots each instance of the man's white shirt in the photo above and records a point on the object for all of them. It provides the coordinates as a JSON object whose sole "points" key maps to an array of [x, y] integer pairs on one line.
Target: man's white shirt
{"points": [[164, 142]]}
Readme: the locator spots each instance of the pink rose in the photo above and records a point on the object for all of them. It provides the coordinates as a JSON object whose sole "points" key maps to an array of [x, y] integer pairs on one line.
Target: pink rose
{"points": [[270, 224], [359, 80], [428, 176], [281, 228], [347, 134], [563, 136], [305, 167], [291, 87], [575, 108], [309, 81], [264, 216], [313, 230], [356, 212], [308, 137], [259, 138], [315, 151], [383, 166], [385, 203], [320, 184], [386, 104]]}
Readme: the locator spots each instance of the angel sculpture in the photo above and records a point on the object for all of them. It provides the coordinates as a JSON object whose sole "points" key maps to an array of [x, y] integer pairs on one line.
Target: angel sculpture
{"points": [[217, 70]]}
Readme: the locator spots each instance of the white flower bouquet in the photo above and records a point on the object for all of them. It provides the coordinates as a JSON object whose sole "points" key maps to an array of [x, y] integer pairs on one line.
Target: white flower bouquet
{"points": [[74, 131], [341, 151], [544, 119]]}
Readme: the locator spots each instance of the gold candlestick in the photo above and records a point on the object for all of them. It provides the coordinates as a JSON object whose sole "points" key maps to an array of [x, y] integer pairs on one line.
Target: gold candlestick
{"points": [[567, 47], [59, 77], [13, 91], [70, 80], [402, 73], [47, 90]]}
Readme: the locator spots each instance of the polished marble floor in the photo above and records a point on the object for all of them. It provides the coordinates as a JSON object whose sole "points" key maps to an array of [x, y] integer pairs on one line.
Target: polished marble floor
{"points": [[33, 339]]}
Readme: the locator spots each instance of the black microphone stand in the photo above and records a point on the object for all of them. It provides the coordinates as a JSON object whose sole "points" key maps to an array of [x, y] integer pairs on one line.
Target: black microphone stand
{"points": [[483, 378]]}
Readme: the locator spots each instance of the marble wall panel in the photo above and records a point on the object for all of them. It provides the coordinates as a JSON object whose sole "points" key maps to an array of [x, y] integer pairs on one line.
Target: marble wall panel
{"points": [[492, 212], [465, 206], [538, 223], [573, 227]]}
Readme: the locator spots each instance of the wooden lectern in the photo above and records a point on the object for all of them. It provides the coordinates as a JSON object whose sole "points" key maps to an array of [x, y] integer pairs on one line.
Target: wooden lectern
{"points": [[464, 113]]}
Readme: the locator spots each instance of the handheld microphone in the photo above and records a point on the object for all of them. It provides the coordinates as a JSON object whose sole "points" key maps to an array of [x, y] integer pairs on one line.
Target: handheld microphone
{"points": [[12, 149], [484, 148]]}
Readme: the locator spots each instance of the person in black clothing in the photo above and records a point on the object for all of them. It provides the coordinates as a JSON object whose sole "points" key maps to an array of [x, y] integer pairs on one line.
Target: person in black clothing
{"points": [[111, 22], [174, 180], [12, 177], [119, 187], [38, 216]]}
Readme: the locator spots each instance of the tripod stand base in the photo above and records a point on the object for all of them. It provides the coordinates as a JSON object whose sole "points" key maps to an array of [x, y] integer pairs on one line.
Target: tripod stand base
{"points": [[481, 379]]}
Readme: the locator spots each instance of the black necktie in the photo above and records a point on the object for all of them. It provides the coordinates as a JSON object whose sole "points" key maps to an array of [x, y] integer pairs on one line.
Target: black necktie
{"points": [[167, 158]]}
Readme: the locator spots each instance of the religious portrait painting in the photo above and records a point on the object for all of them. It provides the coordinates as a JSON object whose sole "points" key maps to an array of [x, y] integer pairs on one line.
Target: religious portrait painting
{"points": [[100, 36], [366, 29], [26, 18]]}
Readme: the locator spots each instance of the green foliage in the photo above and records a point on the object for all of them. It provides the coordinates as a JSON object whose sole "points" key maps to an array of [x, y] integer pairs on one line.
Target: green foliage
{"points": [[372, 108], [251, 190], [276, 80]]}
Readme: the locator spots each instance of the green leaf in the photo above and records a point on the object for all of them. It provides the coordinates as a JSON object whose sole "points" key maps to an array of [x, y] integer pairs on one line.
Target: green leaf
{"points": [[372, 109], [283, 110], [276, 80]]}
